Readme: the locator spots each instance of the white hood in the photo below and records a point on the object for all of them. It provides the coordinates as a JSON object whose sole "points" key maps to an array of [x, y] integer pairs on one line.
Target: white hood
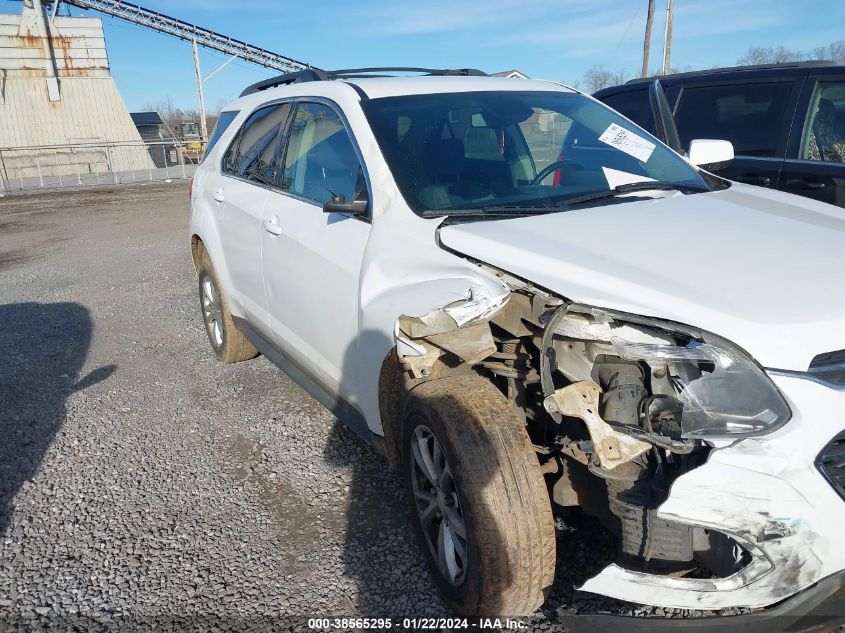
{"points": [[763, 269]]}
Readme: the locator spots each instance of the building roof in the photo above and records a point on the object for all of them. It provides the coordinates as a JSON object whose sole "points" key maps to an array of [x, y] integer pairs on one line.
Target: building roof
{"points": [[146, 118]]}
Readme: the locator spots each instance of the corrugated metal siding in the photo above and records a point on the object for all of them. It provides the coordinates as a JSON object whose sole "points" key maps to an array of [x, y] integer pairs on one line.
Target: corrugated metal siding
{"points": [[91, 108], [78, 44]]}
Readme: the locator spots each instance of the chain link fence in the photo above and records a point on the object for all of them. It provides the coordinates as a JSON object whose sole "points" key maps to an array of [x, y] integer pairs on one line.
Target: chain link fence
{"points": [[69, 166]]}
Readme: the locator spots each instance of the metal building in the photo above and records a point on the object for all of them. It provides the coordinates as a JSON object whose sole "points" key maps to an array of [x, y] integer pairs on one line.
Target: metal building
{"points": [[56, 90]]}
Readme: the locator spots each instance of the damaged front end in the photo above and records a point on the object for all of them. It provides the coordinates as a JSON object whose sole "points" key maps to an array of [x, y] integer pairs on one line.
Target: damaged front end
{"points": [[622, 411]]}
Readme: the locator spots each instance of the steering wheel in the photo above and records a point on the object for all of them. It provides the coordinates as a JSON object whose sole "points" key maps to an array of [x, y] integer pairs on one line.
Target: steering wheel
{"points": [[544, 173]]}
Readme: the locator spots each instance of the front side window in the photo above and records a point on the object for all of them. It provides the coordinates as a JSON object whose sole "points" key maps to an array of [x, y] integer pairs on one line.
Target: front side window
{"points": [[748, 115], [252, 154], [320, 160], [474, 150], [824, 134]]}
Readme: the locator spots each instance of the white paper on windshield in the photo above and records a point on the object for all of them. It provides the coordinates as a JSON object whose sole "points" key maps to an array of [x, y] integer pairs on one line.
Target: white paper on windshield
{"points": [[616, 177], [628, 142]]}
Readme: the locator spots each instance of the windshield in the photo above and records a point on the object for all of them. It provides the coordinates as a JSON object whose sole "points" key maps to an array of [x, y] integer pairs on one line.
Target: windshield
{"points": [[480, 150]]}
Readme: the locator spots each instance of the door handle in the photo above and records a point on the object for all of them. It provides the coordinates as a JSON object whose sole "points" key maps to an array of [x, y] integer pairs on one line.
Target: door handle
{"points": [[800, 183], [218, 195], [760, 181], [272, 225]]}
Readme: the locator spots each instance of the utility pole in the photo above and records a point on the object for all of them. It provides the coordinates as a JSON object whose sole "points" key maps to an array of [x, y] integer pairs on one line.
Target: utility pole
{"points": [[647, 42], [667, 36], [203, 126]]}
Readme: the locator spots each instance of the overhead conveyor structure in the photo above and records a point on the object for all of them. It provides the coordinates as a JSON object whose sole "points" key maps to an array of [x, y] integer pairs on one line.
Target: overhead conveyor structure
{"points": [[189, 32], [197, 35]]}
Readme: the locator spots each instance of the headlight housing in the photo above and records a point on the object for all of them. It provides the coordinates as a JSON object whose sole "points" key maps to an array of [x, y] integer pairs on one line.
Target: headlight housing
{"points": [[724, 392]]}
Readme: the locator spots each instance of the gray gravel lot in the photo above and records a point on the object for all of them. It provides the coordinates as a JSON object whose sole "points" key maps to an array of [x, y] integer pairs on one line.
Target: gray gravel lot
{"points": [[143, 484]]}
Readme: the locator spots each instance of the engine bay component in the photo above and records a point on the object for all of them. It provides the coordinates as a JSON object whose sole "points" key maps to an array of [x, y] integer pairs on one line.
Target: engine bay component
{"points": [[581, 400]]}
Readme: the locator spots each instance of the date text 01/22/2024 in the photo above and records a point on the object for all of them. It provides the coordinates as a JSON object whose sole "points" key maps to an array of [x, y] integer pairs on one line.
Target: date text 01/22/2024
{"points": [[326, 624]]}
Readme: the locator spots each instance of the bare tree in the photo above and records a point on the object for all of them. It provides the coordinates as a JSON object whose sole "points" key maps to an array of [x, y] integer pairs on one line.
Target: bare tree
{"points": [[172, 115], [597, 77], [835, 51], [769, 55]]}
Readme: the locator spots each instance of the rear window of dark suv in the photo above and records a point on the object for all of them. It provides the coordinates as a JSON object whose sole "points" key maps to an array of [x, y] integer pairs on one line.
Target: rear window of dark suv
{"points": [[745, 113], [635, 105]]}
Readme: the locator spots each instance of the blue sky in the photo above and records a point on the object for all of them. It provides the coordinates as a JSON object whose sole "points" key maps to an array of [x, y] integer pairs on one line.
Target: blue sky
{"points": [[552, 39]]}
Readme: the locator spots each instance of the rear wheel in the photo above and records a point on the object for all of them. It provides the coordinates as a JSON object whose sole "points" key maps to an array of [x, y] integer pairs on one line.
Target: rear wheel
{"points": [[228, 343], [478, 501]]}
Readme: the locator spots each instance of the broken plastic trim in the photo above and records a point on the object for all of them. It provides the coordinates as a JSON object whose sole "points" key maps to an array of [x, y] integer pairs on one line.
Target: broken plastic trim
{"points": [[461, 328], [759, 565]]}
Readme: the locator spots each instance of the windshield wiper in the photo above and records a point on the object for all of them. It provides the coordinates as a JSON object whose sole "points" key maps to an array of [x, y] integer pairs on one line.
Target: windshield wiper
{"points": [[561, 205], [497, 211], [647, 185]]}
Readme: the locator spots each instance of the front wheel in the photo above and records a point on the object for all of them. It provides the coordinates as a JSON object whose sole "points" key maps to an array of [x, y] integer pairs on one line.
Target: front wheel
{"points": [[478, 501]]}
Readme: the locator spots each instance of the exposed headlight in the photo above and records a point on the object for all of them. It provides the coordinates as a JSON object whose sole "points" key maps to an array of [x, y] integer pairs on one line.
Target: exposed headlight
{"points": [[724, 392]]}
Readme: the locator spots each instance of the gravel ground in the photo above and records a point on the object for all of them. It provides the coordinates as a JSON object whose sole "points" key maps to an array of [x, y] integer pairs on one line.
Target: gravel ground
{"points": [[143, 484]]}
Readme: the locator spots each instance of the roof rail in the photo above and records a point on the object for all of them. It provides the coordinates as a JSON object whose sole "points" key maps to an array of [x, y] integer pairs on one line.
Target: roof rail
{"points": [[694, 73], [316, 74], [309, 74], [368, 72]]}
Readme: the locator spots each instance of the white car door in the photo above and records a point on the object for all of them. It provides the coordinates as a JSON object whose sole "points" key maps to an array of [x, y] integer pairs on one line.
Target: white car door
{"points": [[240, 196], [311, 259]]}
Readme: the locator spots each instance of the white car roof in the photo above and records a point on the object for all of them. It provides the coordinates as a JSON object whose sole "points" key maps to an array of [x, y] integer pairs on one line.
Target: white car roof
{"points": [[377, 87]]}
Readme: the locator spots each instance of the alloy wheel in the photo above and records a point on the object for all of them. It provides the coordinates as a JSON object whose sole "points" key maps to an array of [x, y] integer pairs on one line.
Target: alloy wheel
{"points": [[438, 506], [212, 312]]}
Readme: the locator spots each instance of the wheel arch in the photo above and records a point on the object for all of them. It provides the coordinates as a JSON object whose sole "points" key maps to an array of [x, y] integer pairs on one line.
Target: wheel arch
{"points": [[197, 248], [209, 242]]}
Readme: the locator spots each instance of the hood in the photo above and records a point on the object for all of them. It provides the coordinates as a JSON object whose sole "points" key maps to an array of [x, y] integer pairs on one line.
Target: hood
{"points": [[761, 268]]}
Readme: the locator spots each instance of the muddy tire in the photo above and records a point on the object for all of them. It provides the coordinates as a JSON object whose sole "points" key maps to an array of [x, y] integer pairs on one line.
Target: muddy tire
{"points": [[488, 491], [228, 344]]}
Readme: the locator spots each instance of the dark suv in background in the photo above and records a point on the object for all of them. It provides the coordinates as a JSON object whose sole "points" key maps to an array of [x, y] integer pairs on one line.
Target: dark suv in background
{"points": [[785, 121]]}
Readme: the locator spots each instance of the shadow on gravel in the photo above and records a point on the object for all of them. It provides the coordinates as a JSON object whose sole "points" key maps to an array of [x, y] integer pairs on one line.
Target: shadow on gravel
{"points": [[383, 550], [380, 551], [44, 347]]}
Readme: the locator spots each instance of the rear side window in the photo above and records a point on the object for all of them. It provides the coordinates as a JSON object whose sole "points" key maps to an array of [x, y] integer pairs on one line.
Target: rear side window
{"points": [[635, 105], [748, 115], [223, 122], [320, 159], [253, 152]]}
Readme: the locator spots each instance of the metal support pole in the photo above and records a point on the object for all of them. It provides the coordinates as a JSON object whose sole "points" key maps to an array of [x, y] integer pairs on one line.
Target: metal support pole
{"points": [[110, 160], [223, 65], [76, 161], [649, 21], [203, 126], [38, 169], [667, 36], [4, 177]]}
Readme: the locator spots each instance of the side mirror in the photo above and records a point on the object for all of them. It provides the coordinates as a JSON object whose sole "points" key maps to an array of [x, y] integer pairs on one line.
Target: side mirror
{"points": [[338, 204], [704, 152]]}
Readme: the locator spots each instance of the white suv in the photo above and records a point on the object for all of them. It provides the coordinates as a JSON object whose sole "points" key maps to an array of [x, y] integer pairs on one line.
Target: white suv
{"points": [[530, 304]]}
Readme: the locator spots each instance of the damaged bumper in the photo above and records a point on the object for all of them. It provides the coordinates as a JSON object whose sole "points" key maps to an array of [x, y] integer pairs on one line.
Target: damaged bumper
{"points": [[814, 610], [766, 494]]}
